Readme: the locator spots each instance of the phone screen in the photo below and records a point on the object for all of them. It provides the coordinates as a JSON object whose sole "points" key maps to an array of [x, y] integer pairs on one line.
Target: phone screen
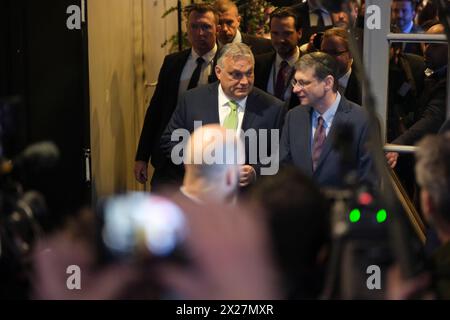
{"points": [[136, 220]]}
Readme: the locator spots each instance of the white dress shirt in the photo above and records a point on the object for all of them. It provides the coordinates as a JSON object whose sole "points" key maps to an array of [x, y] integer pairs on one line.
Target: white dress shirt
{"points": [[327, 116], [237, 39], [224, 108], [274, 74], [191, 64]]}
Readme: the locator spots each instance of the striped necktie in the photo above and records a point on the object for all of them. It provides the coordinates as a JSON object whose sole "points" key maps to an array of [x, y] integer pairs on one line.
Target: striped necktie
{"points": [[318, 142]]}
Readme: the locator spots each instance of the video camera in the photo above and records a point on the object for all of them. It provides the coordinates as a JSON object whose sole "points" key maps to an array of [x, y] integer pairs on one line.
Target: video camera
{"points": [[21, 210], [367, 233]]}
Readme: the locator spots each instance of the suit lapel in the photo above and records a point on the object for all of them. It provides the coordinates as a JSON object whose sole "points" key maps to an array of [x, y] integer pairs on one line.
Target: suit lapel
{"points": [[178, 69], [270, 65], [339, 118], [212, 77], [251, 109], [353, 91], [306, 129], [263, 67], [212, 104]]}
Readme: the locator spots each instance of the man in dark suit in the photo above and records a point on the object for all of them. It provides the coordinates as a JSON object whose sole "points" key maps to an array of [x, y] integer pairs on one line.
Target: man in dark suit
{"points": [[311, 129], [235, 104], [403, 13], [406, 81], [342, 19], [274, 71], [313, 17], [335, 43], [180, 71], [228, 29], [431, 107]]}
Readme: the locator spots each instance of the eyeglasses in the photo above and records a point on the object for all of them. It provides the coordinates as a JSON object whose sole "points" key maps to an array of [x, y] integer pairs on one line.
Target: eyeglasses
{"points": [[335, 53], [236, 75], [300, 84]]}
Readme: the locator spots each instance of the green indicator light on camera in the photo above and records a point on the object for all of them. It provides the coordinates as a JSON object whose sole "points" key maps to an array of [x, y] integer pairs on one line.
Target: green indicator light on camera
{"points": [[381, 216], [355, 215]]}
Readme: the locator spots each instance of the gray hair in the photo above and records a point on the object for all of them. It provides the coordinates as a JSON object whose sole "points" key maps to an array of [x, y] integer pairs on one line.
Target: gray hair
{"points": [[235, 51], [433, 170]]}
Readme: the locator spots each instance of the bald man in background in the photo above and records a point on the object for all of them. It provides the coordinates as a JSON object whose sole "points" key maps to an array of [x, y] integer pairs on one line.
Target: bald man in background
{"points": [[217, 181]]}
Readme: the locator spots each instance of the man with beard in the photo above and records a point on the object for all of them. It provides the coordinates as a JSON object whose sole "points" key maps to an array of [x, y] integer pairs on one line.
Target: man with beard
{"points": [[274, 71], [403, 13]]}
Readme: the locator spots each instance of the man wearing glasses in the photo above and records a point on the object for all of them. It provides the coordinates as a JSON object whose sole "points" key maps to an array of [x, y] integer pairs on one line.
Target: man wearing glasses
{"points": [[234, 103], [335, 43], [311, 131]]}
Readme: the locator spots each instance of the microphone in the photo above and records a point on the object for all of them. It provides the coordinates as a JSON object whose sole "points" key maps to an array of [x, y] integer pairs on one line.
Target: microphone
{"points": [[36, 157]]}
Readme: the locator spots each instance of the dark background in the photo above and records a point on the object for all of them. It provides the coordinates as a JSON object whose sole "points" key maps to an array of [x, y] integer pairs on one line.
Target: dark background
{"points": [[44, 80]]}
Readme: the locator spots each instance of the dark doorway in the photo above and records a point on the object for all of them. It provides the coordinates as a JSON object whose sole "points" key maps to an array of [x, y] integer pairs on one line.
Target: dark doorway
{"points": [[44, 79]]}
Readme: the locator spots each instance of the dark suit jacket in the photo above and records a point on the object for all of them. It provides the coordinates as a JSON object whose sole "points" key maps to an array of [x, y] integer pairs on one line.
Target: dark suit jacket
{"points": [[160, 110], [402, 104], [353, 91], [430, 114], [414, 48], [295, 145], [262, 111], [302, 10], [258, 45], [263, 67]]}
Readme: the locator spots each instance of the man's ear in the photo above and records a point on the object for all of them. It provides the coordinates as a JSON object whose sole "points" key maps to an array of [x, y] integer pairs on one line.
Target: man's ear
{"points": [[300, 33], [218, 71], [239, 21], [329, 82]]}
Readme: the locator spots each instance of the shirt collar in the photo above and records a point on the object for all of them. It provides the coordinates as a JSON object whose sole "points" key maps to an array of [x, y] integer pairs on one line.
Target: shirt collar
{"points": [[291, 60], [187, 195], [224, 99], [237, 39], [329, 114], [409, 27], [208, 57], [343, 81]]}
